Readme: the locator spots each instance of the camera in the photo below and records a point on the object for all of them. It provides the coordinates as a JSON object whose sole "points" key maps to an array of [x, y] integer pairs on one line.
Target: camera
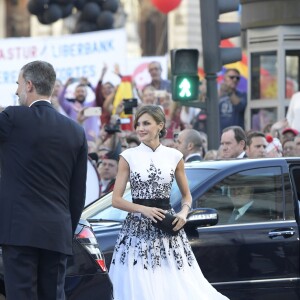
{"points": [[129, 104], [113, 128]]}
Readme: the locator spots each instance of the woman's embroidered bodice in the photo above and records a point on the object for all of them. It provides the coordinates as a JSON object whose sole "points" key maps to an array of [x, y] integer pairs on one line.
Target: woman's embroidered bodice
{"points": [[151, 172]]}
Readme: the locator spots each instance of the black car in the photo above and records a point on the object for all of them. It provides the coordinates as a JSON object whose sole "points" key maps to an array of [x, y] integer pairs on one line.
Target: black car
{"points": [[254, 257], [87, 275]]}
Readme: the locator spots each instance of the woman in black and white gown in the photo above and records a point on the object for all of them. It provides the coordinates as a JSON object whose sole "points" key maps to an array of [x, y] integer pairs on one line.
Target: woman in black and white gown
{"points": [[149, 264]]}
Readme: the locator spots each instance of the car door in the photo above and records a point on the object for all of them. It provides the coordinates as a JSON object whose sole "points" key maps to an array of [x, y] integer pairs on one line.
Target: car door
{"points": [[257, 255]]}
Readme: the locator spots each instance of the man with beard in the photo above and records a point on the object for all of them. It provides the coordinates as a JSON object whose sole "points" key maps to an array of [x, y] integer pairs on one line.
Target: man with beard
{"points": [[75, 107]]}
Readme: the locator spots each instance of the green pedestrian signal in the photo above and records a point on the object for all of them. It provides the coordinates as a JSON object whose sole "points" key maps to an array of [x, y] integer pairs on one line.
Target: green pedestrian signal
{"points": [[185, 88], [185, 79]]}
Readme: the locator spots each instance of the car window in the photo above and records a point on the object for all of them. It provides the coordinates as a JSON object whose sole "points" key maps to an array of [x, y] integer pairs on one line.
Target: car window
{"points": [[295, 172], [195, 178], [250, 196]]}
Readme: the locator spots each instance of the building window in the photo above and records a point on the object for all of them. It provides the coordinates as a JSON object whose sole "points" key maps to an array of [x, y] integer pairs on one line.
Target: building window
{"points": [[292, 72], [264, 75]]}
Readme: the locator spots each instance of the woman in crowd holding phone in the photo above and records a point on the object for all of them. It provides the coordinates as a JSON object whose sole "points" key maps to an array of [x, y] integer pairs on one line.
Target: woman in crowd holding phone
{"points": [[148, 262]]}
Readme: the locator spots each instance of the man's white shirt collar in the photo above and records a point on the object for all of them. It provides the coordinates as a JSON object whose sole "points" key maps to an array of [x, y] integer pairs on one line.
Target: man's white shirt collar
{"points": [[243, 209], [242, 155], [39, 101], [191, 155]]}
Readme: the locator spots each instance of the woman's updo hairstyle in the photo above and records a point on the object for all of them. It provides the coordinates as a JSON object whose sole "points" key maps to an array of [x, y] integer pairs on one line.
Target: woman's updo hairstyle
{"points": [[156, 112]]}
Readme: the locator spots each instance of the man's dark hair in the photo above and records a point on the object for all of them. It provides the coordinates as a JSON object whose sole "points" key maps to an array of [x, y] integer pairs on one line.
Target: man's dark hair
{"points": [[42, 76], [253, 134], [239, 133], [132, 139]]}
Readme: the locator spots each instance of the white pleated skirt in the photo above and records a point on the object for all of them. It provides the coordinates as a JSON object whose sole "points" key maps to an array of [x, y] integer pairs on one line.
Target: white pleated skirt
{"points": [[148, 264]]}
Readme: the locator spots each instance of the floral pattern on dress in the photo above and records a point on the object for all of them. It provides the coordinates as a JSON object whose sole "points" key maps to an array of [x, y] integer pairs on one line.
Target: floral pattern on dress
{"points": [[150, 245], [139, 242], [152, 188]]}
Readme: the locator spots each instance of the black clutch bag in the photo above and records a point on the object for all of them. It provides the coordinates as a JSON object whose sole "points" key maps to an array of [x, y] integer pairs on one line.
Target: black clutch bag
{"points": [[166, 224]]}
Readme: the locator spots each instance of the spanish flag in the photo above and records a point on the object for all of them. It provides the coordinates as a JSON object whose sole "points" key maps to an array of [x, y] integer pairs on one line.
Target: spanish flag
{"points": [[124, 91]]}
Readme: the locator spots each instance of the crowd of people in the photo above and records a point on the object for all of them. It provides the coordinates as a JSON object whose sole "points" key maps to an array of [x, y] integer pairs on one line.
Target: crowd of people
{"points": [[145, 140], [112, 132]]}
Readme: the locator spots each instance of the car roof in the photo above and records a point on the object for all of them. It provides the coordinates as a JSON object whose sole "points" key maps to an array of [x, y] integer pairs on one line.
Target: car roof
{"points": [[233, 163]]}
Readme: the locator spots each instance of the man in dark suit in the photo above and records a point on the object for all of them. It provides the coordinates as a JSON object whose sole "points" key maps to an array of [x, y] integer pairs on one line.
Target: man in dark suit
{"points": [[247, 206], [189, 143], [108, 169], [233, 143], [43, 157], [256, 144]]}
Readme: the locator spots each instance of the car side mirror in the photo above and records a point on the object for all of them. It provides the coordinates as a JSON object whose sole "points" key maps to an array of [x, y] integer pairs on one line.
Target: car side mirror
{"points": [[202, 217]]}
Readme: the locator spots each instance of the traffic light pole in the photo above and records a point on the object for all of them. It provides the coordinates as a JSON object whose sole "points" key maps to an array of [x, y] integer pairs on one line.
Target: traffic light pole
{"points": [[212, 107], [214, 56]]}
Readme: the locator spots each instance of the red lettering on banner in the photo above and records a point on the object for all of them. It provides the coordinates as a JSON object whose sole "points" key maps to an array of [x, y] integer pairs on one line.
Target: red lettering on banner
{"points": [[18, 53], [33, 51]]}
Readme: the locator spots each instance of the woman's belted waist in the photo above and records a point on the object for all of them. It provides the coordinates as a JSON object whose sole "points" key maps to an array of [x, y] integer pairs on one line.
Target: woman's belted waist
{"points": [[163, 203]]}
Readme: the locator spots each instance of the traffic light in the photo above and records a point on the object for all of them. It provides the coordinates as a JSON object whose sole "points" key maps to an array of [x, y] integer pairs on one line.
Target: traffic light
{"points": [[213, 32], [185, 79]]}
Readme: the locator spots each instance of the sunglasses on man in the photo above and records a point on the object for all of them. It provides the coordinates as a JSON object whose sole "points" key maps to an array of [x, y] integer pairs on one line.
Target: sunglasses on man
{"points": [[234, 77]]}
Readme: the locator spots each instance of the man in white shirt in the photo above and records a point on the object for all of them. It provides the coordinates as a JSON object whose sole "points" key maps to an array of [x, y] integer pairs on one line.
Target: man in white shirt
{"points": [[293, 112], [242, 199]]}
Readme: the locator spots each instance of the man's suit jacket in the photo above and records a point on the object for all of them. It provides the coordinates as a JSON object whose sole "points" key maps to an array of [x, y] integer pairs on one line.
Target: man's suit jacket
{"points": [[254, 213], [43, 157], [194, 158], [109, 187]]}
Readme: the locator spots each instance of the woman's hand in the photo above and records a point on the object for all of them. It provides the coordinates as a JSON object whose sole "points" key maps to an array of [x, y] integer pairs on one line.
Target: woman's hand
{"points": [[153, 213], [179, 221], [120, 108]]}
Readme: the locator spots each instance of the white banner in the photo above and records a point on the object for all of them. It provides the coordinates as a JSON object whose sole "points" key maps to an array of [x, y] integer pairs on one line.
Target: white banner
{"points": [[76, 55]]}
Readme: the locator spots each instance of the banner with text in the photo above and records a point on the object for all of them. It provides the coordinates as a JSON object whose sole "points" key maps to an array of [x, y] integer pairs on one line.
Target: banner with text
{"points": [[76, 55]]}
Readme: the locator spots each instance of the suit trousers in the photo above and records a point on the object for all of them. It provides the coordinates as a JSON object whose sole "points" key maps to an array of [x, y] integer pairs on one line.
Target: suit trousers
{"points": [[33, 273]]}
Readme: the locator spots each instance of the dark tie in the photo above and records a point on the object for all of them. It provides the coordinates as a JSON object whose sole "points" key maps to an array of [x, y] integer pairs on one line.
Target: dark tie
{"points": [[234, 215]]}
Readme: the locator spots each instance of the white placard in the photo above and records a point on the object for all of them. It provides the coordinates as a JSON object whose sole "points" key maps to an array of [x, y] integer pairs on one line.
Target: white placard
{"points": [[74, 55]]}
